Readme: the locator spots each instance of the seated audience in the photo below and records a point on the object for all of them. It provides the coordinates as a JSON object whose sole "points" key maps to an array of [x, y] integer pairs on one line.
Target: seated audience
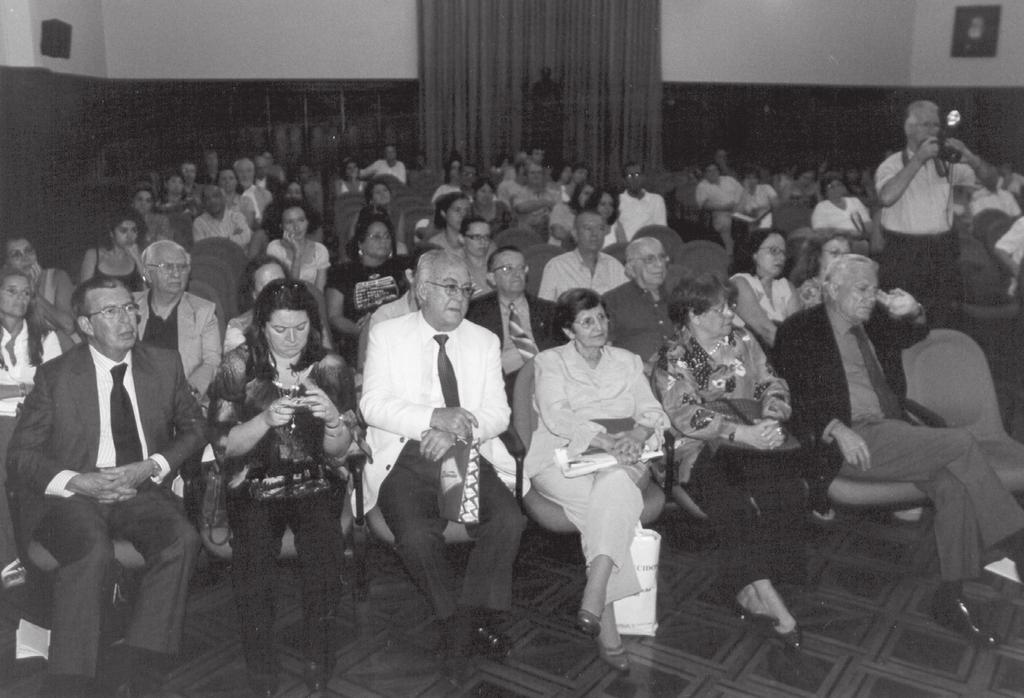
{"points": [[180, 209], [803, 191], [512, 183], [855, 422], [305, 259], [521, 321], [477, 246], [158, 226], [839, 212], [25, 343], [289, 195], [171, 318], [757, 517], [276, 409], [51, 289], [487, 206], [1009, 248], [189, 171], [219, 221], [452, 178], [764, 298], [986, 197], [606, 203], [637, 206], [311, 191], [88, 471], [719, 195], [227, 180], [564, 213], [258, 273], [638, 309], [116, 256], [757, 200], [533, 202], [252, 197], [373, 277], [586, 266], [388, 165], [449, 211], [591, 395], [377, 195], [430, 380], [349, 182], [1011, 181], [808, 275]]}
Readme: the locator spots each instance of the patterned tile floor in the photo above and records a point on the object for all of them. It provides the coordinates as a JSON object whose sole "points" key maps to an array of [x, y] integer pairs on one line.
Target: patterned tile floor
{"points": [[864, 612]]}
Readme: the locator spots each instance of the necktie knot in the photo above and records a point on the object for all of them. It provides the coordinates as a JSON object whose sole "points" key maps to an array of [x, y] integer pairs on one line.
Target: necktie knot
{"points": [[118, 373], [441, 339]]}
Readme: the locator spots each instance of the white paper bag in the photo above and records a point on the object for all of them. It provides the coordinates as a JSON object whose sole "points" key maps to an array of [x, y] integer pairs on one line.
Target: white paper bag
{"points": [[638, 614]]}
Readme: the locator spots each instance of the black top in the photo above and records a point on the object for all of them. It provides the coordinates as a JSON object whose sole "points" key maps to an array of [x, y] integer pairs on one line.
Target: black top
{"points": [[367, 288]]}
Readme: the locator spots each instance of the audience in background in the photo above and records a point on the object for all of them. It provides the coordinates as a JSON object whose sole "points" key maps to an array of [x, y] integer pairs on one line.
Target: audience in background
{"points": [[812, 262], [839, 212], [219, 221], [719, 196], [349, 182], [757, 200], [51, 289], [259, 272], [586, 266], [533, 202], [388, 165], [638, 309], [158, 227], [174, 319], [449, 211], [116, 256], [488, 207], [764, 298], [305, 259], [606, 203], [637, 206], [477, 246]]}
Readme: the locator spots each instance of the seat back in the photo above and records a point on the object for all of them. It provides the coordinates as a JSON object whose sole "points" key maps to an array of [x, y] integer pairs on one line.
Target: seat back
{"points": [[523, 238], [537, 258], [947, 372], [617, 250], [700, 256]]}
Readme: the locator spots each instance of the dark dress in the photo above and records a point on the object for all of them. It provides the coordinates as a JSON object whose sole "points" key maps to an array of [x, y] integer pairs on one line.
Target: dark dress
{"points": [[758, 521], [257, 525]]}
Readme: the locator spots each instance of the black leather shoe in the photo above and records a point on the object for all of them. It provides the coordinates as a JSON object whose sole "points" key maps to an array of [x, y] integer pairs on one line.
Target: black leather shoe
{"points": [[957, 616], [792, 640], [487, 642], [263, 685]]}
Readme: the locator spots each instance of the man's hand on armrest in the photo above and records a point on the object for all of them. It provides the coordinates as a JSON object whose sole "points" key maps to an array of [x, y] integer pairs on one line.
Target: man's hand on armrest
{"points": [[852, 446]]}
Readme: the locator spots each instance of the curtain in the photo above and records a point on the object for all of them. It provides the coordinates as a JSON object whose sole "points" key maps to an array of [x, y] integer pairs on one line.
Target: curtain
{"points": [[481, 88]]}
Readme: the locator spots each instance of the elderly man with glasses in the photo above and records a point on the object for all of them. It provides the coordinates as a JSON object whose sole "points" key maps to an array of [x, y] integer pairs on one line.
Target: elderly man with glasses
{"points": [[171, 318], [638, 309], [432, 390]]}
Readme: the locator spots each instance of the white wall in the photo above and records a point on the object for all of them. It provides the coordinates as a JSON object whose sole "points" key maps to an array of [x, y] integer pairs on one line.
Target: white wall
{"points": [[20, 29], [932, 66], [827, 42], [261, 39]]}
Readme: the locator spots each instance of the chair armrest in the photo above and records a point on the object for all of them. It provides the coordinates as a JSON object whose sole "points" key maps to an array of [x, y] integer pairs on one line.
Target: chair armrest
{"points": [[670, 462], [924, 416], [517, 450], [356, 462]]}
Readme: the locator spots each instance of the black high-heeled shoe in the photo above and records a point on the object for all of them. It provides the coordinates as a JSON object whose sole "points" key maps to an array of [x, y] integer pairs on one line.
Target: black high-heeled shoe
{"points": [[792, 640]]}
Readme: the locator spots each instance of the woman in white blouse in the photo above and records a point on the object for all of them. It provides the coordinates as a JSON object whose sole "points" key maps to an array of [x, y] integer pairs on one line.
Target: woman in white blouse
{"points": [[838, 211]]}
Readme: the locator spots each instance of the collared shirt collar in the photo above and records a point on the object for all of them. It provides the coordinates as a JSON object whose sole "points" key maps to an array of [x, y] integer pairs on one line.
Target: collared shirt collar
{"points": [[105, 363]]}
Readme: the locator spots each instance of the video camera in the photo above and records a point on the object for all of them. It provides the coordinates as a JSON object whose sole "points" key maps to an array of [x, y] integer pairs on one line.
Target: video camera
{"points": [[946, 152]]}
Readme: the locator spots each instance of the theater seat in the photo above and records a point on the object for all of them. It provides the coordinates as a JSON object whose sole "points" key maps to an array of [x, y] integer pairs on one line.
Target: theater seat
{"points": [[947, 374]]}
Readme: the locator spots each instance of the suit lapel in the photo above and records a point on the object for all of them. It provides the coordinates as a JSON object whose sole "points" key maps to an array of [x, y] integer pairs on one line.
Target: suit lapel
{"points": [[84, 398], [143, 376]]}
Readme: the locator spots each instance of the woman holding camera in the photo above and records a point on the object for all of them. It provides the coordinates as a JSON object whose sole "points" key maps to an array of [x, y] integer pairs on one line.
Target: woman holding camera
{"points": [[277, 428]]}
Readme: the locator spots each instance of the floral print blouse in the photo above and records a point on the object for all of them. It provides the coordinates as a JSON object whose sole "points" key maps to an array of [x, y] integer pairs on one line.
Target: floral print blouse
{"points": [[686, 378]]}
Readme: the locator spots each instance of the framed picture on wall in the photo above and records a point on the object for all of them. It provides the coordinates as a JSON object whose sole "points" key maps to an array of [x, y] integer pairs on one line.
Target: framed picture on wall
{"points": [[976, 31]]}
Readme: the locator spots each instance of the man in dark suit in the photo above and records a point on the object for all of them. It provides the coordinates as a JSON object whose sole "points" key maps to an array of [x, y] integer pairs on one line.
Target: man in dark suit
{"points": [[99, 439], [523, 323], [843, 364]]}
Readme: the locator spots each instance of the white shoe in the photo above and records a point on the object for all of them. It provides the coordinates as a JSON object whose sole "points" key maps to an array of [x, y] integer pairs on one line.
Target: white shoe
{"points": [[909, 515]]}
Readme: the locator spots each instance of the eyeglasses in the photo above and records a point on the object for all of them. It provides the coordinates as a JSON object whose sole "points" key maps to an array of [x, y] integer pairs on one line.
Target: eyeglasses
{"points": [[170, 267], [724, 309], [114, 312], [379, 236], [477, 237], [632, 174], [19, 254], [454, 290], [592, 321], [511, 269], [774, 251], [651, 259]]}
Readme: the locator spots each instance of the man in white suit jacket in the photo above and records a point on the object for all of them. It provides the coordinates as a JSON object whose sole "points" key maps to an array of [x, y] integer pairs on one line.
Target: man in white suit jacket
{"points": [[410, 430]]}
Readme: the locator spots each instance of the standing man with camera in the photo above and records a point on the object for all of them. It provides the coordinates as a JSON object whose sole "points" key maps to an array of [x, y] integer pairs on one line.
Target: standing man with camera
{"points": [[915, 187]]}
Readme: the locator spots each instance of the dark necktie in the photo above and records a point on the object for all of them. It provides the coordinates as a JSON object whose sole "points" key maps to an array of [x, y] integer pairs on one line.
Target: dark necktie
{"points": [[463, 497], [122, 420], [446, 372], [887, 399], [524, 344]]}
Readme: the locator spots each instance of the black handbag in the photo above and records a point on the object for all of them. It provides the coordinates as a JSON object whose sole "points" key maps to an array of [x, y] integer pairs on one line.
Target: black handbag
{"points": [[743, 463]]}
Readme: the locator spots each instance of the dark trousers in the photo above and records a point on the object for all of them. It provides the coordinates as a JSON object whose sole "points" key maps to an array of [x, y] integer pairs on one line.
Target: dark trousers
{"points": [[256, 529], [408, 500], [78, 532], [925, 266], [758, 523]]}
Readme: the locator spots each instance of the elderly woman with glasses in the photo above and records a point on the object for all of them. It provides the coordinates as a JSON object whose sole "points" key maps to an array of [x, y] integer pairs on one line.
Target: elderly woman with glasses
{"points": [[764, 298], [701, 375], [594, 396], [174, 319], [277, 428]]}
